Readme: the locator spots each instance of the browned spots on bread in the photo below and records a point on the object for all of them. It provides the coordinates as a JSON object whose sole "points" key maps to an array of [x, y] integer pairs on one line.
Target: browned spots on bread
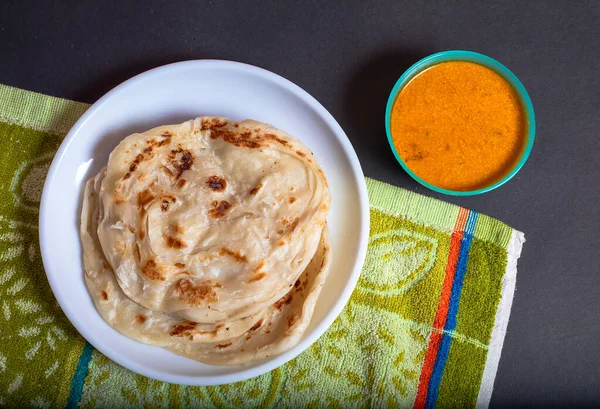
{"points": [[164, 142], [185, 329], [212, 123], [281, 243], [257, 277], [190, 328], [178, 228], [291, 225], [294, 224], [154, 143], [212, 333], [244, 138], [300, 153], [297, 283], [140, 318], [187, 160], [324, 207], [127, 176], [279, 231], [241, 140], [257, 273], [138, 159], [285, 300], [216, 183], [179, 265], [145, 197], [105, 265], [259, 267], [292, 199], [202, 293], [144, 156], [277, 139], [166, 201], [104, 295], [221, 346], [323, 176], [292, 319], [166, 134], [219, 209], [174, 242], [179, 161], [254, 191], [181, 183], [183, 162], [236, 255], [131, 229], [256, 326], [152, 270], [118, 198]]}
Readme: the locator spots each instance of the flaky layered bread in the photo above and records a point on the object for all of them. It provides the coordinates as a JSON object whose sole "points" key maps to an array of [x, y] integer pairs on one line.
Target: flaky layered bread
{"points": [[194, 233], [279, 329], [124, 314]]}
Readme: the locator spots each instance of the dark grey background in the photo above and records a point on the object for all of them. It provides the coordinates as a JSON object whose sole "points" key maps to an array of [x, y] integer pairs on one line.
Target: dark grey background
{"points": [[348, 56]]}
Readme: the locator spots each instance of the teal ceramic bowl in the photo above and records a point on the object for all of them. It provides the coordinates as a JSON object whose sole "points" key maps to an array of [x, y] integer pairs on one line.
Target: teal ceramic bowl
{"points": [[486, 61]]}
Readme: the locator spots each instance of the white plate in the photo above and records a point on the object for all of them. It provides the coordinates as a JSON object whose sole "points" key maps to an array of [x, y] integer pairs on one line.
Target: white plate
{"points": [[169, 95]]}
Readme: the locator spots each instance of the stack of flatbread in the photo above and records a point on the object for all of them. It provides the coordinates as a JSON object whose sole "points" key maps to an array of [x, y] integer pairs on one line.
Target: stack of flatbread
{"points": [[208, 238]]}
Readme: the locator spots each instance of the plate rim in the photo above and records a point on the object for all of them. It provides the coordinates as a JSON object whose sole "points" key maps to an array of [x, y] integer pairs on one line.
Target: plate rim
{"points": [[308, 338]]}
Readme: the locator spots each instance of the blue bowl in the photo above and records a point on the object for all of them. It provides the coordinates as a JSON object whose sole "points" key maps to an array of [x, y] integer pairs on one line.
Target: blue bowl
{"points": [[480, 59]]}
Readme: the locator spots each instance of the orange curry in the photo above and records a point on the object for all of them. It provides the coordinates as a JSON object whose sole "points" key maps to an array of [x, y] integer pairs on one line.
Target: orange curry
{"points": [[459, 126]]}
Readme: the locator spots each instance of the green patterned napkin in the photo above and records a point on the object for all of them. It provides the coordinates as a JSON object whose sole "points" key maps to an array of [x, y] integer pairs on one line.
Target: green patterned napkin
{"points": [[424, 327]]}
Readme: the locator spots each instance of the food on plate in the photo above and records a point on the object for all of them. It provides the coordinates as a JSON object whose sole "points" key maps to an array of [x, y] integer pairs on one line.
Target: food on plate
{"points": [[459, 126], [196, 235], [278, 329]]}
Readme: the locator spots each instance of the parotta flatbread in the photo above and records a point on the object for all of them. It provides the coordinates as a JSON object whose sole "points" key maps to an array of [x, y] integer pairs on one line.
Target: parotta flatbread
{"points": [[282, 325], [127, 316], [194, 233], [210, 220]]}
